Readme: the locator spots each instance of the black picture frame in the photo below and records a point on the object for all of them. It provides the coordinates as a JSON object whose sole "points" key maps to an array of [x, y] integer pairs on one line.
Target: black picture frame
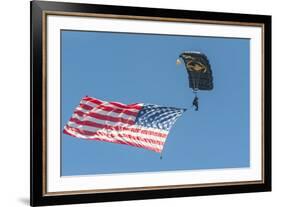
{"points": [[38, 104]]}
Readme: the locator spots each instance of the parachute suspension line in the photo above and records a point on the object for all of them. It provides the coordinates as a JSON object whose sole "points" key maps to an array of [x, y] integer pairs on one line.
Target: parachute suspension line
{"points": [[195, 81], [198, 81], [195, 102]]}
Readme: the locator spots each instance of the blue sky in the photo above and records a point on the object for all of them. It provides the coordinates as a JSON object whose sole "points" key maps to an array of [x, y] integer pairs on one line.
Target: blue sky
{"points": [[132, 68]]}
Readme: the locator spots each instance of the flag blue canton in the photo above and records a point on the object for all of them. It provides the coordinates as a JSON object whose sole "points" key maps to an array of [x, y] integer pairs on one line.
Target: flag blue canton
{"points": [[159, 117]]}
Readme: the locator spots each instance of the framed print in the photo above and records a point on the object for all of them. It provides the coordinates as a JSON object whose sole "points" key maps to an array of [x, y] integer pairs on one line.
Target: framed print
{"points": [[139, 103]]}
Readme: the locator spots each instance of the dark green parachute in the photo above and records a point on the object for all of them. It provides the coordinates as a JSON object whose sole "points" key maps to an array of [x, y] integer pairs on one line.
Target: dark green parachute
{"points": [[199, 72]]}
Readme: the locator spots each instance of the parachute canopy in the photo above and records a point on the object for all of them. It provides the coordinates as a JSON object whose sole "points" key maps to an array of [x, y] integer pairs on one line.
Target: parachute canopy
{"points": [[198, 69]]}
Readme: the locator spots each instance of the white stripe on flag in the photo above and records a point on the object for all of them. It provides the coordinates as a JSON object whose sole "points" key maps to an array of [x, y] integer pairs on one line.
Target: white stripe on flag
{"points": [[131, 131], [107, 104], [118, 137], [107, 113]]}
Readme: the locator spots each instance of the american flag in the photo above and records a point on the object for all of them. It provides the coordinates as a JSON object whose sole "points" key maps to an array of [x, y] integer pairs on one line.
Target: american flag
{"points": [[139, 125]]}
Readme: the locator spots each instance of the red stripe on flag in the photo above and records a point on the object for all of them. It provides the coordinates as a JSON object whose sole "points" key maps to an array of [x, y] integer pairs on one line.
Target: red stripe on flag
{"points": [[118, 142], [107, 118], [85, 106], [110, 109], [136, 130], [116, 110], [137, 138], [93, 100], [126, 106], [130, 106]]}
